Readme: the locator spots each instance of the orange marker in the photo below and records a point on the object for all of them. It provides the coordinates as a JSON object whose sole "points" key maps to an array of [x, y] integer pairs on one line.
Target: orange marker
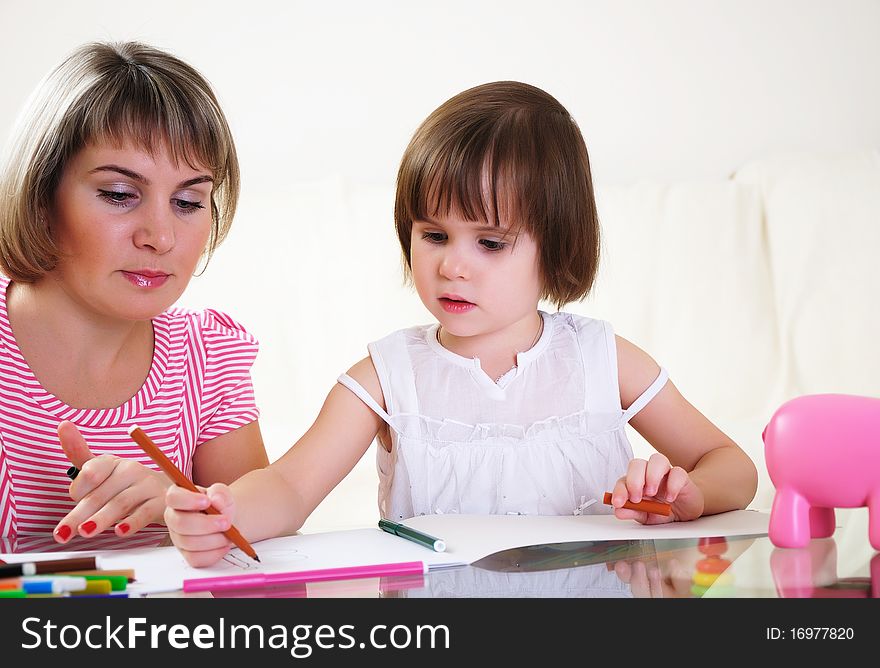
{"points": [[140, 437], [656, 507]]}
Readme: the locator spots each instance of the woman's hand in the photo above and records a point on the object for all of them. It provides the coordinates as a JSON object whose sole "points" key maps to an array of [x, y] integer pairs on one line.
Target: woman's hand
{"points": [[659, 480], [109, 491], [197, 535]]}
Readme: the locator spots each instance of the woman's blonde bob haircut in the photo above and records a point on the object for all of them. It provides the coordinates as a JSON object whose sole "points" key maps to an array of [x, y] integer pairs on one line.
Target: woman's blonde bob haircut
{"points": [[116, 93], [507, 152]]}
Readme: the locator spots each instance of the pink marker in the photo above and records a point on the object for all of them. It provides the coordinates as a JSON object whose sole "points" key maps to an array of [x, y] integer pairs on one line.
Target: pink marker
{"points": [[253, 580]]}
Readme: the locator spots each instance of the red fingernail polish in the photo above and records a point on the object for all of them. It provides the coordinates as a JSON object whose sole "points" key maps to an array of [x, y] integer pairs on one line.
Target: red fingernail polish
{"points": [[63, 532], [123, 528], [88, 527]]}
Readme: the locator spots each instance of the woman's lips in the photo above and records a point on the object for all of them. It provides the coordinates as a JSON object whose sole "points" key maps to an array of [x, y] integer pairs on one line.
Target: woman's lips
{"points": [[146, 278]]}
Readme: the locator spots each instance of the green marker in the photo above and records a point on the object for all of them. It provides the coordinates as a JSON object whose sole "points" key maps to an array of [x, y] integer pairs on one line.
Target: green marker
{"points": [[13, 593], [117, 582], [409, 533]]}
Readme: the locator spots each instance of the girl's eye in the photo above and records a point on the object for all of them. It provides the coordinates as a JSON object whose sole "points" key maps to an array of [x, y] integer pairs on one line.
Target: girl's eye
{"points": [[434, 237], [187, 206], [492, 245], [116, 197]]}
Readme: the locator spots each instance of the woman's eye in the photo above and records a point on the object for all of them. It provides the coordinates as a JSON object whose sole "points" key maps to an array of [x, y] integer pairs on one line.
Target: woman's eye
{"points": [[187, 205], [434, 237], [116, 197], [492, 245]]}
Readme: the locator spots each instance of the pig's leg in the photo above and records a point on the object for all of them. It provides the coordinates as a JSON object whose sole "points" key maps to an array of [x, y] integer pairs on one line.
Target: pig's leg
{"points": [[789, 519], [821, 522], [874, 519]]}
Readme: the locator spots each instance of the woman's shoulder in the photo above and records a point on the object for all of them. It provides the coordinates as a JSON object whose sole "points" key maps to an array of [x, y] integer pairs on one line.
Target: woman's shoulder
{"points": [[209, 325]]}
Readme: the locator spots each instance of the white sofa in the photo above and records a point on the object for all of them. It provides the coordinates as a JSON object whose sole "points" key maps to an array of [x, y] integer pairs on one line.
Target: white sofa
{"points": [[750, 291], [753, 290]]}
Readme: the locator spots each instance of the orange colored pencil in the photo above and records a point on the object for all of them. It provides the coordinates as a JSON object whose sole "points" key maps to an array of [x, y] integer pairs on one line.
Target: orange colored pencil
{"points": [[140, 437], [656, 507]]}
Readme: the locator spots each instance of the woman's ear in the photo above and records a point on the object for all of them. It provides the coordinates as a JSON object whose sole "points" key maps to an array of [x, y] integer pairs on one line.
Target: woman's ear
{"points": [[44, 218]]}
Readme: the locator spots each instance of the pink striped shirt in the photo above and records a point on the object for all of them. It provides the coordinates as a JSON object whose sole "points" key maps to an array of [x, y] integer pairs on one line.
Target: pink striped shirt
{"points": [[199, 388]]}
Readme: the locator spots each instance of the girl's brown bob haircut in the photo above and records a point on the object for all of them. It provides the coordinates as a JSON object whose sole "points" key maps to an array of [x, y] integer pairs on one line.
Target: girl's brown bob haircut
{"points": [[117, 93], [507, 152]]}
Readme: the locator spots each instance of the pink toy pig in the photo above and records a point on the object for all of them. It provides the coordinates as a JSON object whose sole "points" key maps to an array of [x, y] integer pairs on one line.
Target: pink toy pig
{"points": [[822, 453]]}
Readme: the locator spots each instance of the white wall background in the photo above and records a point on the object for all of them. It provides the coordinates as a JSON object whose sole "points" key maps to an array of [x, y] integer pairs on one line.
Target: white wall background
{"points": [[323, 98], [661, 88]]}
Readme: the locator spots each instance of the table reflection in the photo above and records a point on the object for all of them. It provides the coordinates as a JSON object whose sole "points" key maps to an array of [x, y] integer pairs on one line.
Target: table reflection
{"points": [[685, 568], [811, 572], [589, 569], [842, 566]]}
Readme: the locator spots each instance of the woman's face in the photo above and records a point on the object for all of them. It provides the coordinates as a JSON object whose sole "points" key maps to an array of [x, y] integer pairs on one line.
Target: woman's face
{"points": [[130, 228]]}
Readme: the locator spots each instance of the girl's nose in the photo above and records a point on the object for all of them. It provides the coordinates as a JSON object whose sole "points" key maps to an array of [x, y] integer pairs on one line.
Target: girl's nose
{"points": [[454, 265]]}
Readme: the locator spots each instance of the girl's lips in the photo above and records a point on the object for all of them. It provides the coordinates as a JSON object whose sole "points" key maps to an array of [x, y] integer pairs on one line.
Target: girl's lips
{"points": [[146, 279], [456, 305]]}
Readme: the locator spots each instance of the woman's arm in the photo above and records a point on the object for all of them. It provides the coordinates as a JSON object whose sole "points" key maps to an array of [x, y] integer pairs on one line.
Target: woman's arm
{"points": [[111, 490], [228, 457]]}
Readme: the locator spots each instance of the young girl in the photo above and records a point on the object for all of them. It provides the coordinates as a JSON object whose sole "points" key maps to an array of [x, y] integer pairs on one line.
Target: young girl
{"points": [[498, 407], [122, 177]]}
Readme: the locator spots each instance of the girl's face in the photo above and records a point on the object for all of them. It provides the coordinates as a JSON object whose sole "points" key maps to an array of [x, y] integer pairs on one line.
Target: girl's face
{"points": [[130, 228], [471, 277]]}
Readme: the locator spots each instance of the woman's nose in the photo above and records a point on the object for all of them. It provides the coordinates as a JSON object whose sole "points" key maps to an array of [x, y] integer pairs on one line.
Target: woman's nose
{"points": [[155, 230]]}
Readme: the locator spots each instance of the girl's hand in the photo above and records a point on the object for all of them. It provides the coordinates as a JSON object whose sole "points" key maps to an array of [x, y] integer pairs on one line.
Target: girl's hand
{"points": [[649, 578], [197, 535], [108, 490], [658, 480]]}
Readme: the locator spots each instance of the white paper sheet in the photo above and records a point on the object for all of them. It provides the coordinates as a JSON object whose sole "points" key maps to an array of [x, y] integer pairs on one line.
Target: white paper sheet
{"points": [[163, 569], [468, 538]]}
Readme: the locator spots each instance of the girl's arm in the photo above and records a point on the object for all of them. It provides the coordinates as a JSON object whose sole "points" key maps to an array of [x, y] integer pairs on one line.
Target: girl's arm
{"points": [[276, 500], [314, 465], [713, 466]]}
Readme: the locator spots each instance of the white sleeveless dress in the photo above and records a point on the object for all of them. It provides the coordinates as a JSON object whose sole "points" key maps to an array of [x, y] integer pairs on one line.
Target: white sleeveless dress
{"points": [[547, 439]]}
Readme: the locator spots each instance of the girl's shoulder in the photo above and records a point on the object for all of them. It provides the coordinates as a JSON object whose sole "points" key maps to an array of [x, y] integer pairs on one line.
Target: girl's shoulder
{"points": [[628, 355], [582, 327], [415, 334]]}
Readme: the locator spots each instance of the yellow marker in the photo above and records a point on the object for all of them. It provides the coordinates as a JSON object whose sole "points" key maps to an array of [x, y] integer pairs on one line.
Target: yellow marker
{"points": [[94, 587]]}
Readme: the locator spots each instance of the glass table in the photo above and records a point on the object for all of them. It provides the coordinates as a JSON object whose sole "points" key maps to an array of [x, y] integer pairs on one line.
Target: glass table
{"points": [[842, 566]]}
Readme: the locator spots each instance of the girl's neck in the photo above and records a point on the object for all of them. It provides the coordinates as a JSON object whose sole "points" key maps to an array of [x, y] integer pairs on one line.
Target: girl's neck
{"points": [[496, 350], [104, 360]]}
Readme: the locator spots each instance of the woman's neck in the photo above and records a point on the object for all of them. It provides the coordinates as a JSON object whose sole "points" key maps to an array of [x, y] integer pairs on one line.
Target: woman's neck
{"points": [[85, 359]]}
